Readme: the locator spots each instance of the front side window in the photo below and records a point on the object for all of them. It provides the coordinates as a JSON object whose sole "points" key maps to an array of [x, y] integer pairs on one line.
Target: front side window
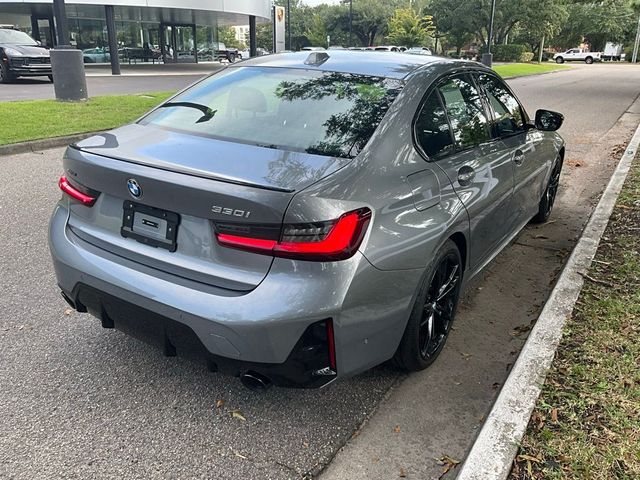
{"points": [[505, 109], [324, 113], [466, 113], [433, 133]]}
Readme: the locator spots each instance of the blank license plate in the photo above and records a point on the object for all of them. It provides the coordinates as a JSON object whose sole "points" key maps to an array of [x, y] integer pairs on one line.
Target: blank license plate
{"points": [[149, 225]]}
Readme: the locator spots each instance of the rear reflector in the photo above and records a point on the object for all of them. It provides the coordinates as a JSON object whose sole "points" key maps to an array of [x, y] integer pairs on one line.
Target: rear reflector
{"points": [[322, 241], [331, 341], [75, 193]]}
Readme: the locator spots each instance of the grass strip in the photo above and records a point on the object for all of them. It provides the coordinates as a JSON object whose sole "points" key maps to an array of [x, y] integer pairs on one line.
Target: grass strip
{"points": [[586, 423], [36, 119], [512, 70]]}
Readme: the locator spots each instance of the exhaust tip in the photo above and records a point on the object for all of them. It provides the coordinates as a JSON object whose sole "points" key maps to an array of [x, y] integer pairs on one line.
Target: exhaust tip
{"points": [[255, 381]]}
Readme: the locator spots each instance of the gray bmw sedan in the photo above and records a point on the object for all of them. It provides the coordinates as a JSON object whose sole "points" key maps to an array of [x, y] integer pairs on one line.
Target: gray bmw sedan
{"points": [[301, 217]]}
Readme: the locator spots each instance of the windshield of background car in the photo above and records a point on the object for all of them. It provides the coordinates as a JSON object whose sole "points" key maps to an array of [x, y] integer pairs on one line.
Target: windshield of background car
{"points": [[15, 37], [323, 113]]}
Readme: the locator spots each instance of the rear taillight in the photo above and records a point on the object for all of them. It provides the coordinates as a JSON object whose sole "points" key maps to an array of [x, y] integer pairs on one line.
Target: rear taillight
{"points": [[320, 241], [77, 192]]}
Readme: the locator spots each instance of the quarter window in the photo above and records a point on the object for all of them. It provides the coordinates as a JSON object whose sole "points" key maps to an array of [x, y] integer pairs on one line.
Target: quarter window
{"points": [[466, 113], [505, 109], [432, 128]]}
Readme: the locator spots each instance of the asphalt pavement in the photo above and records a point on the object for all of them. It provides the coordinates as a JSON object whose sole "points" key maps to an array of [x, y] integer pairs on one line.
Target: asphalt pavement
{"points": [[78, 401], [140, 78]]}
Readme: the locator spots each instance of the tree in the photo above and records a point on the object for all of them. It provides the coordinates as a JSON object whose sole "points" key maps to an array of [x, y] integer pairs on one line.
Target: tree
{"points": [[598, 22], [408, 28], [370, 19], [227, 35]]}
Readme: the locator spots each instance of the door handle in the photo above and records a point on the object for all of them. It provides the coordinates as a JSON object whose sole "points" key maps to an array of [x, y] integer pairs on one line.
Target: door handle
{"points": [[466, 175], [518, 157]]}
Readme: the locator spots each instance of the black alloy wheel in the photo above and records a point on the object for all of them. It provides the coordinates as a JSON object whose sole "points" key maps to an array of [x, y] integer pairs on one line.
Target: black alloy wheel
{"points": [[549, 197], [433, 313]]}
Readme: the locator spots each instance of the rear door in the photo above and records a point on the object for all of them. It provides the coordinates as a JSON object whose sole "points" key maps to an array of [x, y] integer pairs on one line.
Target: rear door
{"points": [[479, 170], [522, 144]]}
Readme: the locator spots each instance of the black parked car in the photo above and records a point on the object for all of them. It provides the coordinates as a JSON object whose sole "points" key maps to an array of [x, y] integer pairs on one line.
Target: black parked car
{"points": [[22, 56]]}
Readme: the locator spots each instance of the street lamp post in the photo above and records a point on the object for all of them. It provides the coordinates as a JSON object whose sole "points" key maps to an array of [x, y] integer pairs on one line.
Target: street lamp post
{"points": [[487, 58], [636, 45], [289, 23], [67, 63], [350, 23]]}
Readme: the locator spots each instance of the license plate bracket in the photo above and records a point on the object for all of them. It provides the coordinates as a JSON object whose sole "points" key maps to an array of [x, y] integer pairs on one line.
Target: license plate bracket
{"points": [[149, 225]]}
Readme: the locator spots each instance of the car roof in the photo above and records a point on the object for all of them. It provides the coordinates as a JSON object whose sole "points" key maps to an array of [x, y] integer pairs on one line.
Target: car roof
{"points": [[396, 65]]}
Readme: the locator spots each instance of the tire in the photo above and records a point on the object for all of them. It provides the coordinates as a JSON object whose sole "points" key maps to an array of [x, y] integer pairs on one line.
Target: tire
{"points": [[588, 60], [559, 60], [433, 312], [5, 75], [232, 58], [549, 196]]}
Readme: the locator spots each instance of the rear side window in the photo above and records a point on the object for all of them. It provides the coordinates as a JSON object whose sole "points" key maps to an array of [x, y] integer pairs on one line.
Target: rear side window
{"points": [[433, 132], [505, 109], [466, 113], [324, 113]]}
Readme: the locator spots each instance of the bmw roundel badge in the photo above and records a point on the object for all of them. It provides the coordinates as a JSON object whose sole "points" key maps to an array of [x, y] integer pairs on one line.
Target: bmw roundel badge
{"points": [[134, 188]]}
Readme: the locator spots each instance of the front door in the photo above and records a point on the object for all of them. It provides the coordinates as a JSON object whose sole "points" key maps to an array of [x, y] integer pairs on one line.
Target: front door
{"points": [[524, 144], [480, 170]]}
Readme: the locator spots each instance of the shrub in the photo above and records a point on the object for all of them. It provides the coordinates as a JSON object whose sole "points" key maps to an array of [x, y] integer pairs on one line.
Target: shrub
{"points": [[507, 53], [526, 57]]}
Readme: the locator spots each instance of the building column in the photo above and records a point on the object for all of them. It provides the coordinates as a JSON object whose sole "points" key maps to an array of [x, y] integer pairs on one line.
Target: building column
{"points": [[113, 42], [35, 29], [253, 50]]}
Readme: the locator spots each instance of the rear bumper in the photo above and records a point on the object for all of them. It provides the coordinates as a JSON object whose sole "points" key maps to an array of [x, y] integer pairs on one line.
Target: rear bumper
{"points": [[258, 330]]}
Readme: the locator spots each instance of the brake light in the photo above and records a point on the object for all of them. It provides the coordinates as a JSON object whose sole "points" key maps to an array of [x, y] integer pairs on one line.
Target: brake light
{"points": [[75, 192], [323, 241]]}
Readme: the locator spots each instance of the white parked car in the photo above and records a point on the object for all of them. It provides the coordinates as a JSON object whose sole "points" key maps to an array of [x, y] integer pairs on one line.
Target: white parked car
{"points": [[418, 51], [578, 55]]}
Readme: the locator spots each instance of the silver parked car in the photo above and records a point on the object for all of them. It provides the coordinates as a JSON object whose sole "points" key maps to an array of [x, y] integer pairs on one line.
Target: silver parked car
{"points": [[306, 216]]}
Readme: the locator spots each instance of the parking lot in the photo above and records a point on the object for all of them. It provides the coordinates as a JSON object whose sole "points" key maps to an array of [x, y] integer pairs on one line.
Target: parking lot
{"points": [[78, 401]]}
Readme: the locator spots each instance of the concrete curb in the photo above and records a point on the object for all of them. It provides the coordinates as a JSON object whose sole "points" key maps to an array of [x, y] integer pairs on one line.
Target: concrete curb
{"points": [[492, 453], [44, 144]]}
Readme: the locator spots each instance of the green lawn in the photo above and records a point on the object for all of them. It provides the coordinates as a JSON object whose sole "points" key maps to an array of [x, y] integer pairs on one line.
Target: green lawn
{"points": [[35, 119], [511, 70], [586, 424]]}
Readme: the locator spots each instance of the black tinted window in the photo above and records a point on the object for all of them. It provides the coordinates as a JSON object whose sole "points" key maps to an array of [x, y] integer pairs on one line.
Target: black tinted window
{"points": [[332, 114], [432, 128], [465, 110], [506, 111]]}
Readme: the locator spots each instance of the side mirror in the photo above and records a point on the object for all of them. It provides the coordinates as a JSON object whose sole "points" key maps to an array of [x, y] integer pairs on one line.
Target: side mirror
{"points": [[548, 121]]}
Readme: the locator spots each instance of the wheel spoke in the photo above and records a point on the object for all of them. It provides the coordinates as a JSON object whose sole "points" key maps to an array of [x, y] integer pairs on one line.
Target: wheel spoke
{"points": [[449, 285]]}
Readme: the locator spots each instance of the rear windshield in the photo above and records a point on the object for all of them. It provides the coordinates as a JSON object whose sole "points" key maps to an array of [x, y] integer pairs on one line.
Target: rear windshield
{"points": [[333, 114]]}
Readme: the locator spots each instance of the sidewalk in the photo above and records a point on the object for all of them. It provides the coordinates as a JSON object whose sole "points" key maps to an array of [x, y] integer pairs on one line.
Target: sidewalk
{"points": [[148, 69]]}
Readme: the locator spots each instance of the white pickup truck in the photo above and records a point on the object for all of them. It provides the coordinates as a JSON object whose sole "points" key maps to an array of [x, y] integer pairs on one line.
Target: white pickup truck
{"points": [[578, 55]]}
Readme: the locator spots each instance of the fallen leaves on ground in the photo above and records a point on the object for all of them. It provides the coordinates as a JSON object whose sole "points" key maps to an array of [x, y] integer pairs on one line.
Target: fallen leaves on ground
{"points": [[448, 463], [238, 414]]}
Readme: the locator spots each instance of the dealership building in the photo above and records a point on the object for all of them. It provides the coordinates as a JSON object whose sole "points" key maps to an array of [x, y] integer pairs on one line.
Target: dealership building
{"points": [[147, 30]]}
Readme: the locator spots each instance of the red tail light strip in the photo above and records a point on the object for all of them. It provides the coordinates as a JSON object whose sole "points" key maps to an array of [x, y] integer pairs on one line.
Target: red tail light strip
{"points": [[340, 243], [73, 192]]}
